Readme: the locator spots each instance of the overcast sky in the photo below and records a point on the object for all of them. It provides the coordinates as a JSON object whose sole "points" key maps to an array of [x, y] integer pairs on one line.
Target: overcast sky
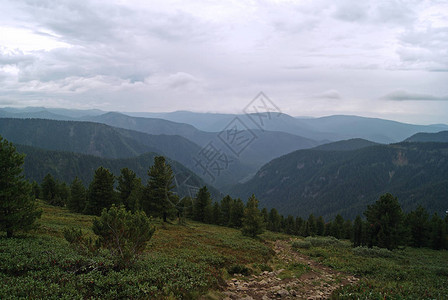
{"points": [[385, 59]]}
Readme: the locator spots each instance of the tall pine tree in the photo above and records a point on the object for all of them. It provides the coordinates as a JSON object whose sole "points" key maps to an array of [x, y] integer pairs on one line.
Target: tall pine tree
{"points": [[202, 205], [101, 192], [159, 199], [77, 199], [253, 223], [17, 206]]}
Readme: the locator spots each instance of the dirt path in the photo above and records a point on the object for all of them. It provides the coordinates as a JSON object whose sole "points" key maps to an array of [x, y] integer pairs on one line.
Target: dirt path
{"points": [[315, 281]]}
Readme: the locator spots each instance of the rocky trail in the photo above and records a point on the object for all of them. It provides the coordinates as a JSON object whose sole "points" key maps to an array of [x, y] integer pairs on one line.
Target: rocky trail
{"points": [[294, 276]]}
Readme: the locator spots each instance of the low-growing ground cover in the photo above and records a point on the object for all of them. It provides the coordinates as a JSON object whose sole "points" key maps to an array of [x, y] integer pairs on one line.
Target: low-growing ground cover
{"points": [[409, 273], [180, 261]]}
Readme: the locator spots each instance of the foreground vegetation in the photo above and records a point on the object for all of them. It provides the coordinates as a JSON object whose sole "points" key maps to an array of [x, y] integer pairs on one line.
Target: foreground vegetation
{"points": [[188, 261], [408, 273], [179, 262]]}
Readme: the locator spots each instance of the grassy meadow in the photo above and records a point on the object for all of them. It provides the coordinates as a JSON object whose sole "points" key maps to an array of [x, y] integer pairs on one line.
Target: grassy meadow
{"points": [[192, 261]]}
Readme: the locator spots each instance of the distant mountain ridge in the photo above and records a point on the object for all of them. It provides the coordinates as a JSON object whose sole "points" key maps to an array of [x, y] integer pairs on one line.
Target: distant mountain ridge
{"points": [[347, 145], [439, 137], [330, 182], [102, 140]]}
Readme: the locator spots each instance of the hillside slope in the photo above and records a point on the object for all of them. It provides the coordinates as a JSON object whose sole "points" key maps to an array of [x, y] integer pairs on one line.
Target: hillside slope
{"points": [[110, 142], [439, 137], [330, 182], [65, 166]]}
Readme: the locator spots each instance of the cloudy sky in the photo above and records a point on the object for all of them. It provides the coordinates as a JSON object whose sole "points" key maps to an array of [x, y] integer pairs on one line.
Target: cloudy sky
{"points": [[376, 58]]}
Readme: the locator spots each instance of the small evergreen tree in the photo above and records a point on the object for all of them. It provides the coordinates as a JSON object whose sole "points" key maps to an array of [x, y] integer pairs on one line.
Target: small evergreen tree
{"points": [[274, 223], [386, 222], [216, 214], [347, 230], [299, 224], [289, 225], [358, 232], [17, 207], [226, 207], [35, 189], [202, 205], [338, 227], [237, 214], [49, 189], [77, 200], [265, 214], [320, 226], [159, 199], [311, 225], [418, 224], [101, 192], [253, 223], [438, 233], [130, 189]]}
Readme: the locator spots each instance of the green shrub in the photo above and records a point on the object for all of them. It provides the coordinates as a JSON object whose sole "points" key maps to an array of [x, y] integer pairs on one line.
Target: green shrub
{"points": [[79, 241], [239, 269], [300, 244], [262, 267], [324, 241], [372, 252], [124, 233]]}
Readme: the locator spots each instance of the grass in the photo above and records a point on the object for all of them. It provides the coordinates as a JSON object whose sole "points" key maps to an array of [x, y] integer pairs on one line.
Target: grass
{"points": [[190, 261], [401, 274], [179, 262]]}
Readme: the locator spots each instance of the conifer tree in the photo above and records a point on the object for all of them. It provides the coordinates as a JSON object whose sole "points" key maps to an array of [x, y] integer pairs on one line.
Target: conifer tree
{"points": [[49, 188], [226, 206], [338, 227], [320, 226], [101, 192], [202, 204], [311, 225], [274, 223], [385, 218], [253, 223], [216, 214], [289, 225], [358, 232], [159, 199], [418, 223], [237, 214], [77, 200], [17, 207], [265, 214], [438, 233], [130, 189], [299, 224]]}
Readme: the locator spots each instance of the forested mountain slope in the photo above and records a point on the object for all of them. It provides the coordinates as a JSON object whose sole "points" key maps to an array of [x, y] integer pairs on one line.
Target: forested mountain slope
{"points": [[65, 166], [330, 182]]}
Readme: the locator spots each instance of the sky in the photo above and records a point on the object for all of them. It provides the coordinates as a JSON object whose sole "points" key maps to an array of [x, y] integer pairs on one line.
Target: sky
{"points": [[386, 59]]}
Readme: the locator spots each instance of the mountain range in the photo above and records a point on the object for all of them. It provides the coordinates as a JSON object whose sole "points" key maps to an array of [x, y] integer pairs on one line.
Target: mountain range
{"points": [[325, 166]]}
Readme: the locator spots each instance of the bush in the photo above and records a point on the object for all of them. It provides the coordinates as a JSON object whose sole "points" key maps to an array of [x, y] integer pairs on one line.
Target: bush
{"points": [[262, 267], [239, 269], [79, 241], [300, 244], [372, 252], [124, 233], [324, 241]]}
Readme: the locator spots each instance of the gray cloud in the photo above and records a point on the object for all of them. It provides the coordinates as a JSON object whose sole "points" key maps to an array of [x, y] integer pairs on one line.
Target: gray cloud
{"points": [[402, 95], [214, 55], [330, 94]]}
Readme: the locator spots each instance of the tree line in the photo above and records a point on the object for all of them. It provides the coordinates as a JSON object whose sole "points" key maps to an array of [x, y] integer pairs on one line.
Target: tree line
{"points": [[385, 224]]}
